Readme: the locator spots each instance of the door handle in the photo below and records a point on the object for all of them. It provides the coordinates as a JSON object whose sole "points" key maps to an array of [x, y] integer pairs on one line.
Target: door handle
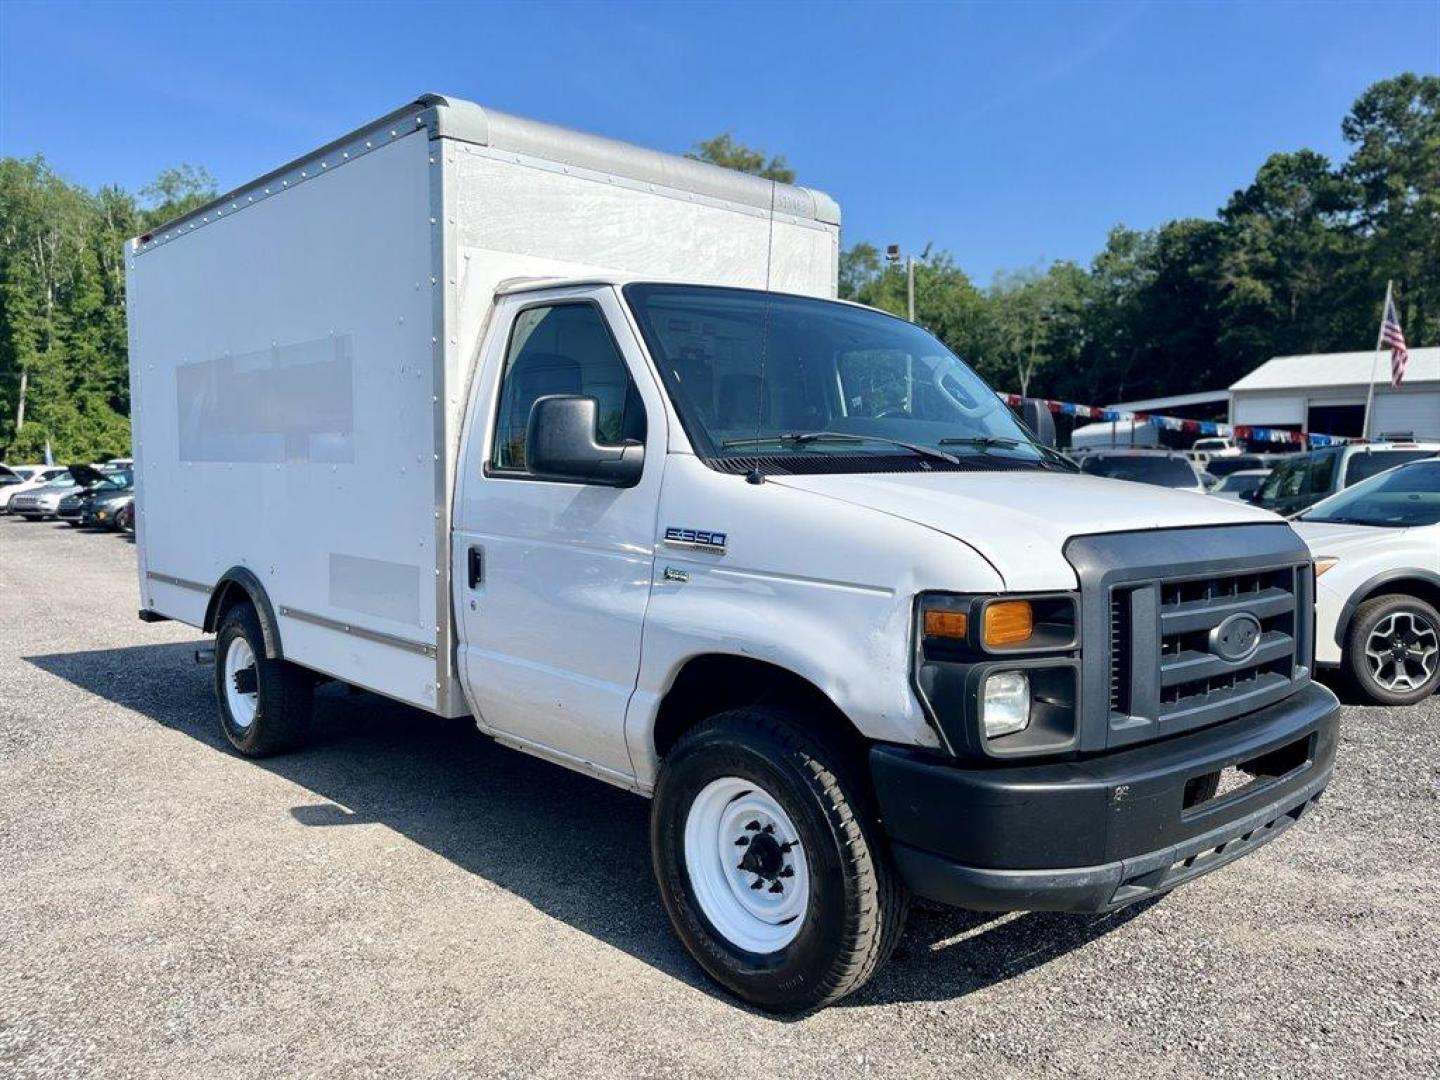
{"points": [[475, 563]]}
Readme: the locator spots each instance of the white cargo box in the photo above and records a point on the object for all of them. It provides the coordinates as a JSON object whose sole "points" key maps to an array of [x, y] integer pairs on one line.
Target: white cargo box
{"points": [[300, 351]]}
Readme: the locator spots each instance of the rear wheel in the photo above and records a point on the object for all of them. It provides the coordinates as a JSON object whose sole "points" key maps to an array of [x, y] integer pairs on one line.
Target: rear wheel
{"points": [[265, 704], [771, 867], [1392, 649]]}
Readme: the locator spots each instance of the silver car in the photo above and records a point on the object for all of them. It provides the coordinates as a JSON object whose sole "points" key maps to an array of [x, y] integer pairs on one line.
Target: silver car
{"points": [[42, 503]]}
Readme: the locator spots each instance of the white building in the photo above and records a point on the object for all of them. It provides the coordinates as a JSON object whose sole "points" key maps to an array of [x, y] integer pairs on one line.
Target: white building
{"points": [[1324, 393]]}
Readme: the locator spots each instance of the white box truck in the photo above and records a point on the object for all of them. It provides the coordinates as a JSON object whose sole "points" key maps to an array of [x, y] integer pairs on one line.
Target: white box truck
{"points": [[569, 436]]}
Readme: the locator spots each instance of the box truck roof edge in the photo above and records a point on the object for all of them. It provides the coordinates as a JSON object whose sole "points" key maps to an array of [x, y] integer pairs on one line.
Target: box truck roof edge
{"points": [[464, 121]]}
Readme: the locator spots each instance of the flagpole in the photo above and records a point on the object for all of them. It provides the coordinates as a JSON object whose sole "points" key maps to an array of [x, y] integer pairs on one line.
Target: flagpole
{"points": [[1375, 360]]}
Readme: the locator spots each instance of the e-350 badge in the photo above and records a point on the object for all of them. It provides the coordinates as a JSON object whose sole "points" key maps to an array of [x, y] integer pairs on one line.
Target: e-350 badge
{"points": [[699, 539]]}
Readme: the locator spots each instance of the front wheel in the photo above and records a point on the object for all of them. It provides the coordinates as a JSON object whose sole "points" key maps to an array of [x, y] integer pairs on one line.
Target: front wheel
{"points": [[1392, 649], [770, 866], [265, 704]]}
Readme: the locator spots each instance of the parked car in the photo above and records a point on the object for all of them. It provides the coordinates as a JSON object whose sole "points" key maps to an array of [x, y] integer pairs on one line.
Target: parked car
{"points": [[1224, 466], [43, 503], [891, 644], [9, 478], [1216, 448], [1377, 567], [96, 481], [125, 517], [1162, 468], [103, 509], [1240, 486], [26, 478], [1302, 480]]}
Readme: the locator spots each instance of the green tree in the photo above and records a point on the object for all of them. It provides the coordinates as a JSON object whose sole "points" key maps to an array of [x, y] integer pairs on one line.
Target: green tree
{"points": [[1394, 128], [175, 192], [724, 151]]}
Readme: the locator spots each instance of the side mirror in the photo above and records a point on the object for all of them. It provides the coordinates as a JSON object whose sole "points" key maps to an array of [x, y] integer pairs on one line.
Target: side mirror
{"points": [[560, 444], [1038, 419]]}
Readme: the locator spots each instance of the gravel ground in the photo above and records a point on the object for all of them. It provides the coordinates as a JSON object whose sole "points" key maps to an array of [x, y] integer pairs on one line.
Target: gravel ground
{"points": [[403, 897]]}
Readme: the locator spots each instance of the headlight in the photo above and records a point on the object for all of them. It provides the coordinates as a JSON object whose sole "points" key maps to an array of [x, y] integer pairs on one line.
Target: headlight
{"points": [[999, 675], [1005, 703]]}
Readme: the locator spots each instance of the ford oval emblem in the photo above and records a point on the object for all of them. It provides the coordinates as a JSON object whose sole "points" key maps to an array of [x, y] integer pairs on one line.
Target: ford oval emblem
{"points": [[1237, 638]]}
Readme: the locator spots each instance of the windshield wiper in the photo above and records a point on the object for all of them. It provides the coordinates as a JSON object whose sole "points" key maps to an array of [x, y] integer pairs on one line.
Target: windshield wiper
{"points": [[800, 438], [984, 443]]}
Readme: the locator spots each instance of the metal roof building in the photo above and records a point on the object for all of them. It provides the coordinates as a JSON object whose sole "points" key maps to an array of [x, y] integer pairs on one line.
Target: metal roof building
{"points": [[1325, 393]]}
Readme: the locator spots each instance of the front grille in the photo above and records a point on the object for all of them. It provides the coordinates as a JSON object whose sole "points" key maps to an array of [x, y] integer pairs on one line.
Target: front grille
{"points": [[1191, 675], [1149, 602], [1194, 684]]}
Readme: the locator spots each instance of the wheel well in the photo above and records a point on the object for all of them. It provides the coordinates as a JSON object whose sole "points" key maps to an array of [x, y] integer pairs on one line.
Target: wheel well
{"points": [[715, 683], [239, 586], [1426, 590]]}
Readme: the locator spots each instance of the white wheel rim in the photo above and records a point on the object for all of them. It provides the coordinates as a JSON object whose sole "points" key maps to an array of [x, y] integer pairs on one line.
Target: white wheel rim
{"points": [[746, 865], [1402, 651], [243, 706]]}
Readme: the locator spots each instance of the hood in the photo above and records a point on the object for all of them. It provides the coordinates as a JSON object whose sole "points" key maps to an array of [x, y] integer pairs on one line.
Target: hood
{"points": [[85, 475], [1019, 521], [1338, 540]]}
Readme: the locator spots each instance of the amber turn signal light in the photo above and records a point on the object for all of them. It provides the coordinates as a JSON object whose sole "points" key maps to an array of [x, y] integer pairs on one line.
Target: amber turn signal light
{"points": [[946, 624], [1007, 622]]}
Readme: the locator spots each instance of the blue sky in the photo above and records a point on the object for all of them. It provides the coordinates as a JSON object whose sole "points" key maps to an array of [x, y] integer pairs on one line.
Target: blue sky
{"points": [[1009, 134]]}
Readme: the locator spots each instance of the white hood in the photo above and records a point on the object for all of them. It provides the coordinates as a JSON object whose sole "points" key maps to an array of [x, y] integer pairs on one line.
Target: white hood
{"points": [[1019, 521], [1325, 538]]}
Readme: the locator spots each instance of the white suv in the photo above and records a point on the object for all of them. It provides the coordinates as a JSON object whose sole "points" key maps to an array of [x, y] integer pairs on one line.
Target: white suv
{"points": [[1377, 568]]}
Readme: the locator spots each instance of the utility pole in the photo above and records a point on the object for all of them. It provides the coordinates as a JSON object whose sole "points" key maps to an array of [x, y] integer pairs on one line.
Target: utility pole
{"points": [[892, 256]]}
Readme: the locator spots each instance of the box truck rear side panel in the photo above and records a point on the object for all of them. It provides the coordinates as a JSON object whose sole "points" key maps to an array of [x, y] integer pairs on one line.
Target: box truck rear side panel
{"points": [[301, 351], [285, 385]]}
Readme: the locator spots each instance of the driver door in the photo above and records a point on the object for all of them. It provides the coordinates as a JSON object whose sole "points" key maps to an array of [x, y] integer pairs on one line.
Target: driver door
{"points": [[552, 577]]}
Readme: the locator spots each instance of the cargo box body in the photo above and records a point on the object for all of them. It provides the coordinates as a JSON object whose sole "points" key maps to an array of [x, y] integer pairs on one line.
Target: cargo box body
{"points": [[301, 350]]}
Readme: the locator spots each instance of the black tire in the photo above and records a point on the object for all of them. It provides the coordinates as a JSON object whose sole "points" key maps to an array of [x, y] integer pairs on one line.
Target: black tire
{"points": [[1369, 616], [857, 902], [286, 691]]}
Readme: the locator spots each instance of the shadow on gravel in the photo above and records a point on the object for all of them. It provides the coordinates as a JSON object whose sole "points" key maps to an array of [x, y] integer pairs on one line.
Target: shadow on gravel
{"points": [[575, 848]]}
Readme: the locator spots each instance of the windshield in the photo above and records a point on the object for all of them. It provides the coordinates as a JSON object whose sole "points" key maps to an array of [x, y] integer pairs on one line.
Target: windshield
{"points": [[1241, 484], [63, 480], [1368, 463], [121, 479], [1161, 471], [757, 373], [1402, 498]]}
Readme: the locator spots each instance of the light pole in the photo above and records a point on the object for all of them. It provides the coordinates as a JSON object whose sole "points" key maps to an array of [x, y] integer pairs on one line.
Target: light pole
{"points": [[892, 256]]}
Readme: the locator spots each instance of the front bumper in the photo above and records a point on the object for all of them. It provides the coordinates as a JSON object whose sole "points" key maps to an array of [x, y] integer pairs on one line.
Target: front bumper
{"points": [[1099, 833]]}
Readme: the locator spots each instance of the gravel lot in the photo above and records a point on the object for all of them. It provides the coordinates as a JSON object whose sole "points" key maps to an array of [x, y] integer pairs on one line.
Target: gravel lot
{"points": [[405, 898]]}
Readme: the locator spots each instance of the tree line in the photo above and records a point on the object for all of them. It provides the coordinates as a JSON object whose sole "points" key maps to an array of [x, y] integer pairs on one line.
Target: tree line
{"points": [[64, 376], [1295, 262]]}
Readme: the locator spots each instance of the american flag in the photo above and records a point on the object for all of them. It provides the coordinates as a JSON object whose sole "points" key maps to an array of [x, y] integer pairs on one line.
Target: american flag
{"points": [[1392, 336]]}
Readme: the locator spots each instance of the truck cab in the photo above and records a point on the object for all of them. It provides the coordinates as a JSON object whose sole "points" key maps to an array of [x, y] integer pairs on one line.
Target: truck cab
{"points": [[782, 564]]}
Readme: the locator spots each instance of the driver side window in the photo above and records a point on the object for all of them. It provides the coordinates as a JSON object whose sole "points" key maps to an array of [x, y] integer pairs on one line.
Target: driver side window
{"points": [[563, 348]]}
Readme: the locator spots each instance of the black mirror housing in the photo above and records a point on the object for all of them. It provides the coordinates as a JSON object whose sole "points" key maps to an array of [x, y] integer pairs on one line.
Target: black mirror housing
{"points": [[1037, 418], [560, 444]]}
